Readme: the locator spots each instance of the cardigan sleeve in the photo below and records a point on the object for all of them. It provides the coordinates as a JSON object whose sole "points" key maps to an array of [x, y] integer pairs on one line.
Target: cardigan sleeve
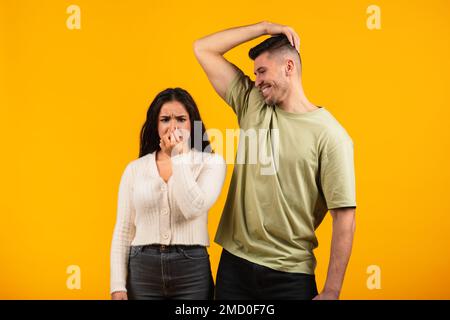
{"points": [[196, 196], [124, 232]]}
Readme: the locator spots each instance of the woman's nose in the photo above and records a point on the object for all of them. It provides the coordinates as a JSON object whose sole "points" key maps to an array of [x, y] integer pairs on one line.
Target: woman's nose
{"points": [[172, 124]]}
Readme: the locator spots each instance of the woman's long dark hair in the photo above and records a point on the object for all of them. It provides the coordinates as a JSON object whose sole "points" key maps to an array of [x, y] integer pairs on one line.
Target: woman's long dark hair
{"points": [[149, 133]]}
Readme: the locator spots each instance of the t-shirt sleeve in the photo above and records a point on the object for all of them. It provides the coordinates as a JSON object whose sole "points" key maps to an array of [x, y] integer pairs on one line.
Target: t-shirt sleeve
{"points": [[238, 93], [337, 174]]}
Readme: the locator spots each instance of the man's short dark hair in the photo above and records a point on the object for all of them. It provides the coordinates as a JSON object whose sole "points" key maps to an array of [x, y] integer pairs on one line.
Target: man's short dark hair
{"points": [[272, 44]]}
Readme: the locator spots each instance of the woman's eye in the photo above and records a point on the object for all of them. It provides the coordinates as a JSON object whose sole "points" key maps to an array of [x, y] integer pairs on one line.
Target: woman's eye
{"points": [[165, 120], [182, 120]]}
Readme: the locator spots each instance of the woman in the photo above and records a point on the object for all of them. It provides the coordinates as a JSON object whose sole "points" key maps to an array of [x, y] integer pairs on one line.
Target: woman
{"points": [[159, 243]]}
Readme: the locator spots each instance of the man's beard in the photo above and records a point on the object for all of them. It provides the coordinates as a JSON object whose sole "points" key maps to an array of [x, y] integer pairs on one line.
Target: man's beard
{"points": [[270, 101]]}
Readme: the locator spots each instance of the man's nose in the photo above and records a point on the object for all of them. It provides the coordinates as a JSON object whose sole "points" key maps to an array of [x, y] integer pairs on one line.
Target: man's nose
{"points": [[257, 82]]}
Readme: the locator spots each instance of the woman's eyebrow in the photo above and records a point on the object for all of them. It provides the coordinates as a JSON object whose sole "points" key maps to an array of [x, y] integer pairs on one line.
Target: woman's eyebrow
{"points": [[169, 116]]}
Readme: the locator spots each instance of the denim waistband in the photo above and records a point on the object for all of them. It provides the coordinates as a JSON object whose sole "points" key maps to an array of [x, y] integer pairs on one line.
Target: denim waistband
{"points": [[168, 248]]}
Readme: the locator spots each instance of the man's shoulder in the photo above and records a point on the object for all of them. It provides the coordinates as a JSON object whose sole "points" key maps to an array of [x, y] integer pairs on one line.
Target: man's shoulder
{"points": [[331, 129], [242, 85]]}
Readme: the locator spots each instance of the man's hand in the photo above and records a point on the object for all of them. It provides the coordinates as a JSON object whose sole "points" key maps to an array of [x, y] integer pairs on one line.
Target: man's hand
{"points": [[327, 295], [275, 28], [209, 50], [119, 295]]}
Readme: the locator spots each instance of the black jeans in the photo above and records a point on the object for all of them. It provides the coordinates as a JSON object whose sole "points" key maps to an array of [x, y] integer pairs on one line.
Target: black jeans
{"points": [[239, 279], [157, 272]]}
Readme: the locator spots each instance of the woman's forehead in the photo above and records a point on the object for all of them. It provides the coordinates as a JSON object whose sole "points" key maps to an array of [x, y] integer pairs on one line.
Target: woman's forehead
{"points": [[173, 107]]}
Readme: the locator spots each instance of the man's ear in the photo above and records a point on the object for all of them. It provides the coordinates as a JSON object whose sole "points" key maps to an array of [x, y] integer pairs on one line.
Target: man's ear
{"points": [[289, 67]]}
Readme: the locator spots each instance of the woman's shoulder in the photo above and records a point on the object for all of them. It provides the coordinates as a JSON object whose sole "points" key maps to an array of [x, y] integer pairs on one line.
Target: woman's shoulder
{"points": [[139, 163]]}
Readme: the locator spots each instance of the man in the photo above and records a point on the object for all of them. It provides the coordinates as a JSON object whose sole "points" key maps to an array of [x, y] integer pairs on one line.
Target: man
{"points": [[267, 229]]}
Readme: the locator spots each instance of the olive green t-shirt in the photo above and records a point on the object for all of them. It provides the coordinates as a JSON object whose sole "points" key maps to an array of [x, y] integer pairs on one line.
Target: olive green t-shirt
{"points": [[280, 193]]}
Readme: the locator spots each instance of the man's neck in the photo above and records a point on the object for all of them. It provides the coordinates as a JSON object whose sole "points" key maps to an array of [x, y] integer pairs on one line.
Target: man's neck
{"points": [[296, 102]]}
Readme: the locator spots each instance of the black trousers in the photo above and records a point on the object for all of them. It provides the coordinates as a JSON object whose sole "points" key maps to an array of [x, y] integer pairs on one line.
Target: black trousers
{"points": [[239, 279], [157, 272]]}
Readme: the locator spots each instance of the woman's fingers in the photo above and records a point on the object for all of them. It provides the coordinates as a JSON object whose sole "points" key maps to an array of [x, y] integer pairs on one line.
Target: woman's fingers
{"points": [[166, 141], [176, 135], [179, 134], [173, 139]]}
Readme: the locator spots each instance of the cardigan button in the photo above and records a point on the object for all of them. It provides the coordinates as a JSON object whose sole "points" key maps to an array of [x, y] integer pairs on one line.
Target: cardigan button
{"points": [[164, 211]]}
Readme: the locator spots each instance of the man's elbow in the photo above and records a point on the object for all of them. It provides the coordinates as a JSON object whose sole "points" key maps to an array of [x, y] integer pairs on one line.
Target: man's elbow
{"points": [[354, 225], [345, 218], [198, 48], [353, 217]]}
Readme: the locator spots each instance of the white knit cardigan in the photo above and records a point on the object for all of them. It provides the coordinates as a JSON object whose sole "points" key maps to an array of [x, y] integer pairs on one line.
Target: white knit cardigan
{"points": [[151, 211]]}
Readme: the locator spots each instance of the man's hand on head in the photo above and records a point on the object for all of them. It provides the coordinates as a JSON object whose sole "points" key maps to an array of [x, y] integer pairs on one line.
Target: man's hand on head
{"points": [[275, 28]]}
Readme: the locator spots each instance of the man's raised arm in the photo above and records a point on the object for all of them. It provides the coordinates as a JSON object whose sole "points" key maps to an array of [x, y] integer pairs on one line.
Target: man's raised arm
{"points": [[209, 50]]}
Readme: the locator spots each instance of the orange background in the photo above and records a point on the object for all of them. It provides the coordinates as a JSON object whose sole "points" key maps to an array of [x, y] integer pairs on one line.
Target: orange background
{"points": [[73, 102]]}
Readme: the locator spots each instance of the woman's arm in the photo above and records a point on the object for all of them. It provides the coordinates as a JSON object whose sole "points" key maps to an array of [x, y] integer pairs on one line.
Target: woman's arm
{"points": [[124, 232], [194, 197]]}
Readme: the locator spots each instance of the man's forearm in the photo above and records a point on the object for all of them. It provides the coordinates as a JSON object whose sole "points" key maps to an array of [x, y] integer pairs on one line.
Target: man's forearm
{"points": [[341, 247], [209, 50], [223, 41]]}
